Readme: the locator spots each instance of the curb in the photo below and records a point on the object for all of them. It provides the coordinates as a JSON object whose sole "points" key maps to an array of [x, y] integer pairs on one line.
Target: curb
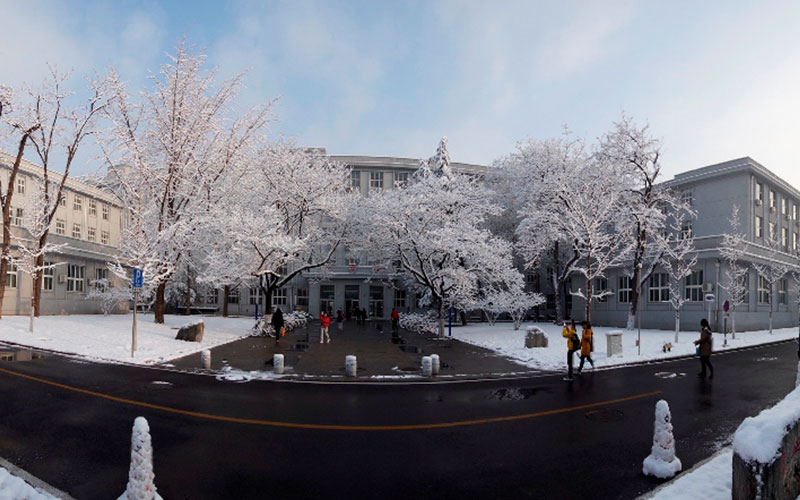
{"points": [[34, 481]]}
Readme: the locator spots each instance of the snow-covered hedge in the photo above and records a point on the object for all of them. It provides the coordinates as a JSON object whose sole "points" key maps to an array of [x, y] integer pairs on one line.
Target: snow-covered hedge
{"points": [[292, 320], [419, 323]]}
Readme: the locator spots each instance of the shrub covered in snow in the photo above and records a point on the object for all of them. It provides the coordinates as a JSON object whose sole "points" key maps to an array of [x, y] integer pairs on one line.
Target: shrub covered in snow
{"points": [[662, 462], [292, 320], [419, 323]]}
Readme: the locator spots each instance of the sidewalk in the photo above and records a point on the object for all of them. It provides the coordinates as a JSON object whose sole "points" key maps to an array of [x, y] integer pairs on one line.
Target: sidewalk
{"points": [[378, 357]]}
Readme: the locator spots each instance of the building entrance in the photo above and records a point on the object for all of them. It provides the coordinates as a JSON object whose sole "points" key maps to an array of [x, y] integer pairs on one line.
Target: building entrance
{"points": [[376, 301], [326, 294], [351, 306]]}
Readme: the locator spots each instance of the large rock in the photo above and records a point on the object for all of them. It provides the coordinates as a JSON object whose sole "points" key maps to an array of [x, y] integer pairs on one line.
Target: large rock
{"points": [[535, 337], [191, 333]]}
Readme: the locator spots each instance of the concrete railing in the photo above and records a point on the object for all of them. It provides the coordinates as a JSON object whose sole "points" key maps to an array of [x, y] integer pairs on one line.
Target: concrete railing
{"points": [[766, 458]]}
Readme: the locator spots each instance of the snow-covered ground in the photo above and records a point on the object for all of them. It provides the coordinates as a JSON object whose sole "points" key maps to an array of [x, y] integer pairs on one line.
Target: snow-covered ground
{"points": [[503, 339], [710, 481], [14, 488], [109, 337]]}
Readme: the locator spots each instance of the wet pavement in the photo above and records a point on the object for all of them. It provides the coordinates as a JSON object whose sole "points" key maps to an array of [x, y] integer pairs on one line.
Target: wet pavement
{"points": [[379, 358]]}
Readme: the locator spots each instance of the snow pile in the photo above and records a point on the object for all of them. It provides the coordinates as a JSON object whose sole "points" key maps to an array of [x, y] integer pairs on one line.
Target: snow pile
{"points": [[419, 323], [109, 337], [758, 439], [662, 462], [710, 481], [14, 488], [141, 484]]}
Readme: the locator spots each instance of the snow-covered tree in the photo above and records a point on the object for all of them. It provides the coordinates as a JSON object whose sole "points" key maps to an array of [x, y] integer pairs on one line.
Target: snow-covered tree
{"points": [[773, 268], [141, 479], [35, 224], [109, 294], [733, 250], [171, 155], [636, 157], [515, 304], [435, 230], [662, 462], [678, 260]]}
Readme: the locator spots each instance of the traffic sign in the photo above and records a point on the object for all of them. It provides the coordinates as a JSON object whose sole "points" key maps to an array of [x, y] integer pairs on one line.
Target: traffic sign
{"points": [[138, 278], [709, 297], [726, 306]]}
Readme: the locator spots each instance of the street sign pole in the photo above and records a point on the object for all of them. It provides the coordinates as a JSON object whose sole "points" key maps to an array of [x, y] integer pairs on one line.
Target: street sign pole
{"points": [[137, 278]]}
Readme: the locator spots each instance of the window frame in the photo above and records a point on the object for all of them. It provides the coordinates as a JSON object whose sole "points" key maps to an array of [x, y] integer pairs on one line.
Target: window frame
{"points": [[762, 291], [376, 180], [658, 288], [75, 284], [693, 286], [625, 290]]}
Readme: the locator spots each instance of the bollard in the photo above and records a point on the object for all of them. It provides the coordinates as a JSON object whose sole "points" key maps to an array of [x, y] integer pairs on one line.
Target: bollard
{"points": [[350, 365], [205, 359], [426, 366], [435, 364], [277, 363]]}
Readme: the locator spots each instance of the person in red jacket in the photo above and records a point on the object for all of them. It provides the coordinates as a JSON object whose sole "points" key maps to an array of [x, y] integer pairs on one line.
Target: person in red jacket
{"points": [[395, 317], [325, 322]]}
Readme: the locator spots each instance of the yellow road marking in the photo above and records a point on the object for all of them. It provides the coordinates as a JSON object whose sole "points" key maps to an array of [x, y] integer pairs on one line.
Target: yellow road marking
{"points": [[293, 425]]}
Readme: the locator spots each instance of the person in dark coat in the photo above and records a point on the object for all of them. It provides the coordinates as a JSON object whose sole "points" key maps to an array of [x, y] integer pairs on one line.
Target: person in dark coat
{"points": [[277, 324], [704, 349]]}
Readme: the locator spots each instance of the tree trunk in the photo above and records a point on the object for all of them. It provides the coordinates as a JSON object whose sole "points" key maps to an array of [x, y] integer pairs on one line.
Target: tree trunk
{"points": [[557, 286], [441, 321], [159, 308], [733, 322], [537, 289], [188, 294], [677, 323], [770, 311], [226, 290], [268, 299], [464, 318], [30, 326], [37, 287], [589, 289]]}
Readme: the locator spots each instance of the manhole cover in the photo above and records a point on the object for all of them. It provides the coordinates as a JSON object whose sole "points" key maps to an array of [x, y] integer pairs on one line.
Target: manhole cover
{"points": [[603, 415]]}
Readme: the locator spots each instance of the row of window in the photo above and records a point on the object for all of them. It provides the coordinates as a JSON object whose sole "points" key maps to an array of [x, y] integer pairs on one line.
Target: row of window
{"points": [[759, 227], [61, 228], [376, 179], [658, 289], [77, 201], [75, 277], [788, 209], [280, 296]]}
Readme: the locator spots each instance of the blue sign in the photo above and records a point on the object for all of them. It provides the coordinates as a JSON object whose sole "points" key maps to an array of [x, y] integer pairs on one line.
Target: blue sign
{"points": [[138, 277]]}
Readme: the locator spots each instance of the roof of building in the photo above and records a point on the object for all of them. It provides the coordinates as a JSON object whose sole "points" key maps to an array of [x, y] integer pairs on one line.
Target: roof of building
{"points": [[34, 170], [400, 163], [739, 165]]}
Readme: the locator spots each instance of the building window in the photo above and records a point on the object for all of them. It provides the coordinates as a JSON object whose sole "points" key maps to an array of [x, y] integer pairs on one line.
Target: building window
{"points": [[17, 216], [63, 200], [686, 230], [794, 211], [233, 296], [212, 296], [400, 299], [763, 290], [355, 180], [759, 226], [624, 293], [794, 241], [659, 287], [100, 275], [694, 286], [91, 234], [771, 198], [687, 198], [784, 237], [11, 275], [782, 289], [759, 192], [279, 297], [104, 237], [20, 185], [771, 230], [401, 179], [376, 180], [255, 295], [76, 230], [784, 210], [61, 227], [600, 286], [93, 208], [302, 297], [48, 273], [105, 212], [77, 203], [75, 276]]}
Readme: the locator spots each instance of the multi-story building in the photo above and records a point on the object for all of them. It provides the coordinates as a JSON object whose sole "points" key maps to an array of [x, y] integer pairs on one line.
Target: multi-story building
{"points": [[767, 205], [349, 281], [88, 220]]}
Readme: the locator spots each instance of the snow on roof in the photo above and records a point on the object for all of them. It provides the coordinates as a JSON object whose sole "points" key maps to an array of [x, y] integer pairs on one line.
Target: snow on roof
{"points": [[759, 438]]}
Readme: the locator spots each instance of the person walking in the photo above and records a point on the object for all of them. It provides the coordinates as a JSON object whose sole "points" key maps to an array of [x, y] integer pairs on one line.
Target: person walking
{"points": [[277, 324], [363, 315], [340, 319], [586, 344], [704, 344], [395, 316], [325, 322], [573, 344]]}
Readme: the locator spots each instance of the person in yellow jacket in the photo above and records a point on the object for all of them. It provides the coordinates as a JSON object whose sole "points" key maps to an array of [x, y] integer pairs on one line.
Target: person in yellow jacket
{"points": [[573, 344], [586, 344]]}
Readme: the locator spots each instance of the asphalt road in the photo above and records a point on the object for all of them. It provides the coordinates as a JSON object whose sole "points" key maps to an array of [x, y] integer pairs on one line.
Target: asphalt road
{"points": [[537, 437]]}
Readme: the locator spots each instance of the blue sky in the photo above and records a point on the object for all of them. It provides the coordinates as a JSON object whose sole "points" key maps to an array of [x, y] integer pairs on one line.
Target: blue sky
{"points": [[715, 80]]}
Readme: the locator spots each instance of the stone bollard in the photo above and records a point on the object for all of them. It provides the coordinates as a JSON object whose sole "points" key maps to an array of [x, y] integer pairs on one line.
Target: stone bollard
{"points": [[350, 365], [435, 364], [277, 363], [427, 366], [205, 359]]}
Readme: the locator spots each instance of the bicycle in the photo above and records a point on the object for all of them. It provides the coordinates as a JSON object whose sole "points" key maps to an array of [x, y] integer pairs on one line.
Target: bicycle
{"points": [[263, 329]]}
